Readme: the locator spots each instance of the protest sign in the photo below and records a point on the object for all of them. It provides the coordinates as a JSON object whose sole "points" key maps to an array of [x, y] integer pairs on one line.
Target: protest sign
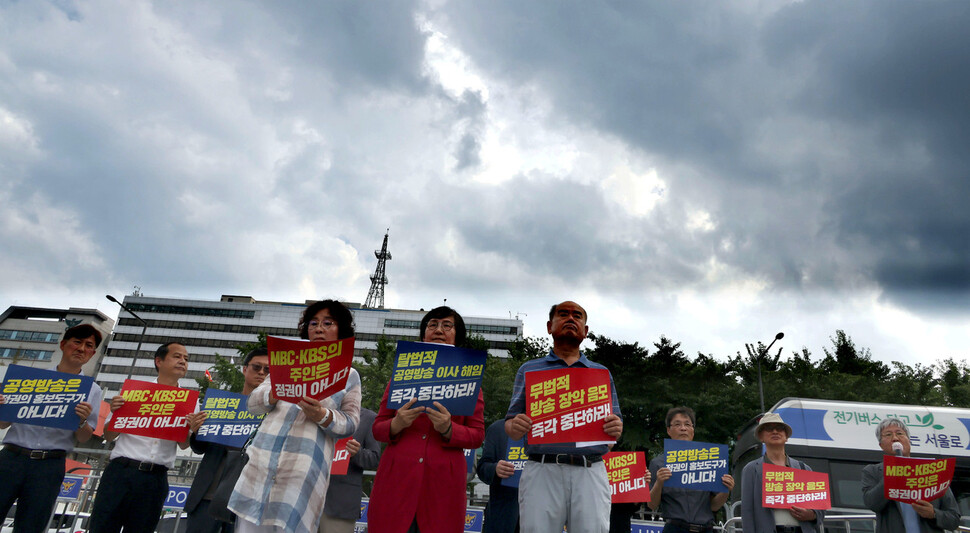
{"points": [[470, 461], [154, 410], [439, 373], [341, 457], [784, 487], [515, 454], [43, 397], [568, 405], [909, 479], [626, 471], [317, 369], [227, 422], [696, 465]]}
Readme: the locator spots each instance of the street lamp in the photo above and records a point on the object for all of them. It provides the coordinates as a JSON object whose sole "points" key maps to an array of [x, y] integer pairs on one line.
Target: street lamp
{"points": [[762, 354], [144, 326]]}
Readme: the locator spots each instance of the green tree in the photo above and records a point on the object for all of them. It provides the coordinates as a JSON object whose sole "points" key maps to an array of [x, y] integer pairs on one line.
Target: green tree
{"points": [[376, 371], [226, 374]]}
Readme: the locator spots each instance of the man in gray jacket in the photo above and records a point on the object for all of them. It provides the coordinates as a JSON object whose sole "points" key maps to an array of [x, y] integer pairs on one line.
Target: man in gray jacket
{"points": [[342, 506], [897, 517]]}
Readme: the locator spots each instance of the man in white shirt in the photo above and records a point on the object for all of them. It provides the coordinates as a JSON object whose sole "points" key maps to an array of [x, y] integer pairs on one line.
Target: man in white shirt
{"points": [[33, 457], [135, 483]]}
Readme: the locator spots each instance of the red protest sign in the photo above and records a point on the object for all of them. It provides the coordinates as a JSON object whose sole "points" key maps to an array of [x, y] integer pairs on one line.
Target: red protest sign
{"points": [[626, 471], [154, 410], [341, 458], [783, 488], [909, 479], [317, 369], [568, 405]]}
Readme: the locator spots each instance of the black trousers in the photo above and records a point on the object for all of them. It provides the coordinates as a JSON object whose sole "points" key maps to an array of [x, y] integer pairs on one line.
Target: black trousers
{"points": [[34, 485], [129, 498], [200, 521]]}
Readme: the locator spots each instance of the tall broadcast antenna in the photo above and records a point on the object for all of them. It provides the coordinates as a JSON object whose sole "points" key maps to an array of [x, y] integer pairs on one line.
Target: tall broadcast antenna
{"points": [[375, 296]]}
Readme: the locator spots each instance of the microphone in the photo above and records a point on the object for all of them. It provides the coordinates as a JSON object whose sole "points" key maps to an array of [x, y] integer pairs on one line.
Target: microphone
{"points": [[898, 448]]}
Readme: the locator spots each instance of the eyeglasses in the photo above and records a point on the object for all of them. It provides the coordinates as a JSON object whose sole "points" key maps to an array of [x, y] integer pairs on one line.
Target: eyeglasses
{"points": [[898, 433], [445, 326], [326, 324], [258, 368], [772, 428], [687, 425]]}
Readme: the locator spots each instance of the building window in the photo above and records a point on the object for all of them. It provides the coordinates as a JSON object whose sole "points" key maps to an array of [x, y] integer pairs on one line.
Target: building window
{"points": [[29, 336], [33, 355], [189, 310], [403, 324]]}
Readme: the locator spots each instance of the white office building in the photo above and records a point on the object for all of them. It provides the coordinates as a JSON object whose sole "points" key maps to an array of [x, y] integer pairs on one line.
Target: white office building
{"points": [[210, 327]]}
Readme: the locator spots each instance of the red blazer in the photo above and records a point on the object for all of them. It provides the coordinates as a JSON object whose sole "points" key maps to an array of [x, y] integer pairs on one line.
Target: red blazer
{"points": [[421, 475]]}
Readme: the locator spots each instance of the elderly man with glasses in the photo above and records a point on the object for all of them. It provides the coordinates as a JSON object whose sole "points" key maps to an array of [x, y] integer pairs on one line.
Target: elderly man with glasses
{"points": [[897, 517], [684, 510]]}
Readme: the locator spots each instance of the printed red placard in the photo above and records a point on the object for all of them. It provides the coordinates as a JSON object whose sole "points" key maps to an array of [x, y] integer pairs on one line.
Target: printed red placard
{"points": [[908, 479], [626, 471], [784, 488], [341, 458], [154, 410], [317, 369], [568, 405]]}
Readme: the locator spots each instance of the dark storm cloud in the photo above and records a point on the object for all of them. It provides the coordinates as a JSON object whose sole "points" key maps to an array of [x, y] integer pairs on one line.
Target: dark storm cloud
{"points": [[732, 91]]}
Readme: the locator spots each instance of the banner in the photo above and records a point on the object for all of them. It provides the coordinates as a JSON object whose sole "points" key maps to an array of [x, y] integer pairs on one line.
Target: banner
{"points": [[515, 454], [43, 397], [909, 478], [317, 369], [436, 373], [626, 471], [470, 460], [227, 422], [341, 458], [696, 465], [784, 487], [154, 410], [568, 405]]}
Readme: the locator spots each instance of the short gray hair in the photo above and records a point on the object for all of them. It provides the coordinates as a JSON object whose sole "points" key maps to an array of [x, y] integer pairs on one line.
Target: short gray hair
{"points": [[891, 421]]}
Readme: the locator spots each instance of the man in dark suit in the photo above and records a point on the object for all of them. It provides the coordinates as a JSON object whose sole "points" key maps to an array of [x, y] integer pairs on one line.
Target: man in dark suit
{"points": [[255, 369], [897, 517], [502, 510], [341, 509]]}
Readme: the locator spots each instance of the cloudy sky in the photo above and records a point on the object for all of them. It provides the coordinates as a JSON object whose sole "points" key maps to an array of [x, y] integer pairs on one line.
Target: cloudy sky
{"points": [[715, 172]]}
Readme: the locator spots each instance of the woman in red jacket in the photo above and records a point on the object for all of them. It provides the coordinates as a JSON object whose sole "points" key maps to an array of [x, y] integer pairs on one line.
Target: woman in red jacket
{"points": [[420, 483]]}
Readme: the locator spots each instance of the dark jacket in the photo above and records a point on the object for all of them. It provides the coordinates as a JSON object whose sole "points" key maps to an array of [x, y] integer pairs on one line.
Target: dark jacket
{"points": [[212, 454], [344, 493], [502, 509]]}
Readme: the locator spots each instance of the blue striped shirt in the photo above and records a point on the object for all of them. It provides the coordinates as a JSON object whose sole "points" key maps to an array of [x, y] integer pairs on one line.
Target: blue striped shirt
{"points": [[517, 406]]}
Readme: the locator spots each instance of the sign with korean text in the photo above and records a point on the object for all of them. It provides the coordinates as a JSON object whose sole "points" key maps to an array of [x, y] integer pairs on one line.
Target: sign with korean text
{"points": [[154, 410], [626, 471], [70, 488], [568, 405], [227, 421], [909, 478], [341, 458], [440, 373], [317, 369], [43, 397], [515, 454], [784, 487], [696, 465]]}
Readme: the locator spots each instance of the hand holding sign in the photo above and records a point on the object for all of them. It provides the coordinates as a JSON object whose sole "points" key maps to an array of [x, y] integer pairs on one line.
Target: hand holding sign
{"points": [[405, 416]]}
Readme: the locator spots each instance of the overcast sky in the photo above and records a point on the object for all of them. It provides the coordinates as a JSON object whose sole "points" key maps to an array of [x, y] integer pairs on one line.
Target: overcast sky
{"points": [[714, 172]]}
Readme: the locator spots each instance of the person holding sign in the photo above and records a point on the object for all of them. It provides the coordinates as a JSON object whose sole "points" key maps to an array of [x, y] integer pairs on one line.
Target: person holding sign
{"points": [[255, 368], [684, 510], [774, 433], [897, 517], [33, 456], [134, 485], [420, 483], [502, 509], [284, 485], [563, 484]]}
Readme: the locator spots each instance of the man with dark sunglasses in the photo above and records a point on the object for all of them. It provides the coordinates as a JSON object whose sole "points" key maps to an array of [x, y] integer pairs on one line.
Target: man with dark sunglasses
{"points": [[207, 478]]}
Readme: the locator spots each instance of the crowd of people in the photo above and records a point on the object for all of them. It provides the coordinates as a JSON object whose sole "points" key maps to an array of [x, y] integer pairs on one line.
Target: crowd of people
{"points": [[286, 484]]}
